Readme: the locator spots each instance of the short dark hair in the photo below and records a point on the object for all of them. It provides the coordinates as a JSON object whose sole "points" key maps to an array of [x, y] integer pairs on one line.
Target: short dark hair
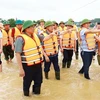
{"points": [[98, 23]]}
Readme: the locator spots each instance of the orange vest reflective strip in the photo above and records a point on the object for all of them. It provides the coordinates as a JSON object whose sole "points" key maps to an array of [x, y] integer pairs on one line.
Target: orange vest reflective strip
{"points": [[50, 46], [32, 50], [68, 40], [6, 37], [90, 41]]}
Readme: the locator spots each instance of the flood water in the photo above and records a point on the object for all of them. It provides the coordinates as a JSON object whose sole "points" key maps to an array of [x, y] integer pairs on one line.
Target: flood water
{"points": [[72, 85]]}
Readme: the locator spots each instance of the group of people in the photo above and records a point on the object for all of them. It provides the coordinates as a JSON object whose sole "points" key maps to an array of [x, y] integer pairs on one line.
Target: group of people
{"points": [[36, 44]]}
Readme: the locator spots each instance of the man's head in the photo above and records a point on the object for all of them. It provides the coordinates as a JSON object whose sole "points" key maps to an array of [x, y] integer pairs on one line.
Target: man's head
{"points": [[85, 23], [49, 26], [69, 24], [28, 27], [62, 24], [6, 25], [41, 22], [19, 24], [55, 25]]}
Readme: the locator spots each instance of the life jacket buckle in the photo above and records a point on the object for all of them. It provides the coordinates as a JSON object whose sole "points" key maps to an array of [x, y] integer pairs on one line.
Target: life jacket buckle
{"points": [[39, 53], [53, 43], [38, 47], [54, 47]]}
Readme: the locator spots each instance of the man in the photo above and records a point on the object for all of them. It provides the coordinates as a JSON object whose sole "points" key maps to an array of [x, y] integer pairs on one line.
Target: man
{"points": [[56, 29], [77, 32], [88, 44], [15, 32], [50, 47], [62, 26], [29, 56], [1, 27], [68, 44], [40, 28], [7, 49]]}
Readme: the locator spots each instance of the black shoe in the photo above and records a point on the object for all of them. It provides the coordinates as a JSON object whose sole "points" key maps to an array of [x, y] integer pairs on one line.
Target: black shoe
{"points": [[26, 93], [68, 64], [87, 76], [63, 65], [46, 75], [37, 90], [80, 72], [57, 75]]}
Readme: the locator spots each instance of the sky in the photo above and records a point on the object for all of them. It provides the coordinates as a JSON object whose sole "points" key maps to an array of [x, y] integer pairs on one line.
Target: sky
{"points": [[58, 10]]}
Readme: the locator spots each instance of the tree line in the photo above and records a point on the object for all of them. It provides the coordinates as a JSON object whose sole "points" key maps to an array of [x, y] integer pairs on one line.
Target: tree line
{"points": [[12, 21]]}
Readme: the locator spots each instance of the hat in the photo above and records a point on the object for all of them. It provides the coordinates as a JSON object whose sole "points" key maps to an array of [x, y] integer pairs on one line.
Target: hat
{"points": [[48, 23], [41, 20], [6, 23], [69, 23], [1, 25], [27, 24], [55, 22], [71, 20], [61, 22], [85, 21], [19, 22]]}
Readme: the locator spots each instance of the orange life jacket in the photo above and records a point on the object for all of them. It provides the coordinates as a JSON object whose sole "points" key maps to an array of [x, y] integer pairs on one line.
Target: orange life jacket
{"points": [[68, 40], [32, 50], [5, 39], [91, 43], [50, 46], [62, 29]]}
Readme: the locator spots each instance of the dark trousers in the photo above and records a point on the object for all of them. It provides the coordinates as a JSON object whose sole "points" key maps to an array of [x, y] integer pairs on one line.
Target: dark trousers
{"points": [[54, 60], [8, 52], [87, 60], [32, 73], [77, 47], [67, 55]]}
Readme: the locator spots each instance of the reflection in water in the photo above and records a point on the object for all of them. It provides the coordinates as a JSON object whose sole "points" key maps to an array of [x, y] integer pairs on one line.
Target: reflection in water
{"points": [[72, 85]]}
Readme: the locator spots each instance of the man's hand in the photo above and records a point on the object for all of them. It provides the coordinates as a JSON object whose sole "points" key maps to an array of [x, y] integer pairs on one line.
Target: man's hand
{"points": [[47, 59], [21, 73]]}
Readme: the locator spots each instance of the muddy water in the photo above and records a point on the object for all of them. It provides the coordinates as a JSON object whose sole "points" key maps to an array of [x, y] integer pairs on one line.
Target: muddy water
{"points": [[72, 85]]}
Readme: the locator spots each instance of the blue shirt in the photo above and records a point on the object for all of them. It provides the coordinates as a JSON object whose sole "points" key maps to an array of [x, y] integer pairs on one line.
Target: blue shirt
{"points": [[83, 45]]}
